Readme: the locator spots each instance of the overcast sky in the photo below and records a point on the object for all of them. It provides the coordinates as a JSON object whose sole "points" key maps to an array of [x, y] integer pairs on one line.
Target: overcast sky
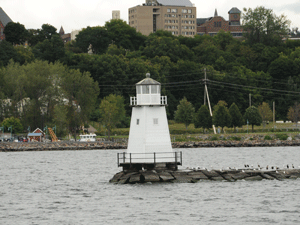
{"points": [[77, 14]]}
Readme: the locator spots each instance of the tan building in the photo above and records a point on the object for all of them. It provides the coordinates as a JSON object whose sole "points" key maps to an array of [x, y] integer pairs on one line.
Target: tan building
{"points": [[176, 16], [213, 25]]}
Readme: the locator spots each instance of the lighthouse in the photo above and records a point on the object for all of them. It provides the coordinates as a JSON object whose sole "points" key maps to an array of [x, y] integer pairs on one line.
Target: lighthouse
{"points": [[149, 143]]}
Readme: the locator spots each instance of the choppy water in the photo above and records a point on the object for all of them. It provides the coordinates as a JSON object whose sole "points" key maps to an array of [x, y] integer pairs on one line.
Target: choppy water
{"points": [[71, 187]]}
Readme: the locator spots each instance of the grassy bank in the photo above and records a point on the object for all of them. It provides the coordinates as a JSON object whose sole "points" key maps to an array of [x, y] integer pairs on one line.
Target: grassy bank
{"points": [[180, 134]]}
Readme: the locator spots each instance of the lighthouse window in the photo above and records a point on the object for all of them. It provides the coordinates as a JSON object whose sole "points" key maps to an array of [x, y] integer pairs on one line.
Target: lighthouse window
{"points": [[137, 121], [138, 89], [155, 121], [154, 89], [146, 89]]}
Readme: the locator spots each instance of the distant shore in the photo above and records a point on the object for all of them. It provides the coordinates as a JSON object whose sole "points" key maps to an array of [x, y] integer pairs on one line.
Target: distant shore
{"points": [[61, 146]]}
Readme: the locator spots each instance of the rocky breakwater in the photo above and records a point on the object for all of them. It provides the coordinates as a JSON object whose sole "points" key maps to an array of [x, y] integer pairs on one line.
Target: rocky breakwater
{"points": [[57, 146], [229, 143], [193, 176]]}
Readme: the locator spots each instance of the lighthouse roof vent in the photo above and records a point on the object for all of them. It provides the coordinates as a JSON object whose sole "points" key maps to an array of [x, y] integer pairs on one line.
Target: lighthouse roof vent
{"points": [[148, 81]]}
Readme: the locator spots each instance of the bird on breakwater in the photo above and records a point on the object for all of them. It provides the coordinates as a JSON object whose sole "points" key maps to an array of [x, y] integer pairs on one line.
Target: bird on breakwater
{"points": [[272, 167], [267, 167], [276, 171], [293, 166], [287, 166], [243, 171]]}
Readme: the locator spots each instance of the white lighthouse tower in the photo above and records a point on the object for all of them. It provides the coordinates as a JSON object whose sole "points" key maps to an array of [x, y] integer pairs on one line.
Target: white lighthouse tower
{"points": [[149, 143]]}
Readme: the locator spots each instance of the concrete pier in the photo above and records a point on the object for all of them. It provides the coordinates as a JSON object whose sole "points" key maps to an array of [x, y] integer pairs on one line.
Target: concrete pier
{"points": [[195, 175]]}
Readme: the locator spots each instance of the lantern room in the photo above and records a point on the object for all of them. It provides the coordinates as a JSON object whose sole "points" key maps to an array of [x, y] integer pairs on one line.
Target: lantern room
{"points": [[148, 93]]}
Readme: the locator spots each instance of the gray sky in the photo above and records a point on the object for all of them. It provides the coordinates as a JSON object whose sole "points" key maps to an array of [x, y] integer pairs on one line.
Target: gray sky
{"points": [[77, 14]]}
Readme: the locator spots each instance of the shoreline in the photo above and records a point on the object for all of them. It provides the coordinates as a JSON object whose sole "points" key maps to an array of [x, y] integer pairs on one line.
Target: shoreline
{"points": [[62, 146]]}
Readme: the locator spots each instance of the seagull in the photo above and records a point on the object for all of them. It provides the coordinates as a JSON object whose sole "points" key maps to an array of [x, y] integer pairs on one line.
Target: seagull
{"points": [[267, 167]]}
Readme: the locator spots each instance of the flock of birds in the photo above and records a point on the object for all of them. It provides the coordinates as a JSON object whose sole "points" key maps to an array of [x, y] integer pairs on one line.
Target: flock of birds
{"points": [[246, 167]]}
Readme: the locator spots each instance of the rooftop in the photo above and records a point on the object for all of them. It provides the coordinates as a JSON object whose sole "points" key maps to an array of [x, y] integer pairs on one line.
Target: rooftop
{"points": [[4, 18]]}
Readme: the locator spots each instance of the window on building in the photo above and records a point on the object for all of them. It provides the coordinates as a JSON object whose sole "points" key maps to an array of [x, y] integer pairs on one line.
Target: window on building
{"points": [[189, 11], [168, 10], [154, 89], [155, 121], [184, 10], [174, 10], [138, 90], [145, 89], [217, 24], [137, 121]]}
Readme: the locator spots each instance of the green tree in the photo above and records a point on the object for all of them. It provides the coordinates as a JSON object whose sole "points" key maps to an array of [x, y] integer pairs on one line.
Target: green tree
{"points": [[221, 116], [80, 93], [265, 112], [264, 26], [123, 35], [112, 111], [15, 33], [14, 122], [95, 38], [203, 118], [7, 52], [50, 49], [184, 113], [236, 116], [294, 113], [253, 116]]}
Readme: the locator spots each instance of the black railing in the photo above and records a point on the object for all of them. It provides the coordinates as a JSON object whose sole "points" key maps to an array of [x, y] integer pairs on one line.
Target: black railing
{"points": [[149, 158]]}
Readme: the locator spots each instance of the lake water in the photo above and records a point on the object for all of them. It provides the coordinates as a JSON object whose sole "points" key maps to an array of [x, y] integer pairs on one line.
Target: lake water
{"points": [[71, 187]]}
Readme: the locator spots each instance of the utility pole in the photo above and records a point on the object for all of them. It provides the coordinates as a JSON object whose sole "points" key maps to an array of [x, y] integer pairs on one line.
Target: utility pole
{"points": [[274, 115], [206, 95]]}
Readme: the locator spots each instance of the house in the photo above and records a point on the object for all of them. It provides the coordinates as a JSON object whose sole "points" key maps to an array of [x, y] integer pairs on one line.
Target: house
{"points": [[36, 136], [212, 25], [4, 20]]}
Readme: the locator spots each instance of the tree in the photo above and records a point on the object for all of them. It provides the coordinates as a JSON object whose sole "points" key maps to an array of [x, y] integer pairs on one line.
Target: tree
{"points": [[236, 116], [203, 118], [253, 116], [265, 112], [112, 111], [14, 122], [185, 112], [50, 49], [294, 113], [95, 38], [123, 35], [15, 33], [221, 117], [80, 92], [263, 26], [7, 52]]}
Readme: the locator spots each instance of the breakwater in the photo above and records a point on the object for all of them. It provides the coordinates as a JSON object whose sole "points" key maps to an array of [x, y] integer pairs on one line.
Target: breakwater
{"points": [[57, 146], [196, 175]]}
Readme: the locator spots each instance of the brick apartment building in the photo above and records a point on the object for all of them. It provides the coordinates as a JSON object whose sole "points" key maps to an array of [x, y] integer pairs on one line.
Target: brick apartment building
{"points": [[213, 25], [4, 19], [176, 16]]}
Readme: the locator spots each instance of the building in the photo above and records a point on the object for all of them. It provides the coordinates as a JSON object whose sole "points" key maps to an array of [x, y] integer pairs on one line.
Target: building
{"points": [[4, 20], [176, 16], [115, 14], [65, 37], [213, 25]]}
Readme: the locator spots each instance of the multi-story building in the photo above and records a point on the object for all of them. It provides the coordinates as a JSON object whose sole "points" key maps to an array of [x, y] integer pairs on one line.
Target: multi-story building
{"points": [[4, 19], [213, 25], [176, 16]]}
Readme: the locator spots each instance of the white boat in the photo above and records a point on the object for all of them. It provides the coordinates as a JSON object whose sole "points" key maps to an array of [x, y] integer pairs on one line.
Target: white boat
{"points": [[87, 137]]}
